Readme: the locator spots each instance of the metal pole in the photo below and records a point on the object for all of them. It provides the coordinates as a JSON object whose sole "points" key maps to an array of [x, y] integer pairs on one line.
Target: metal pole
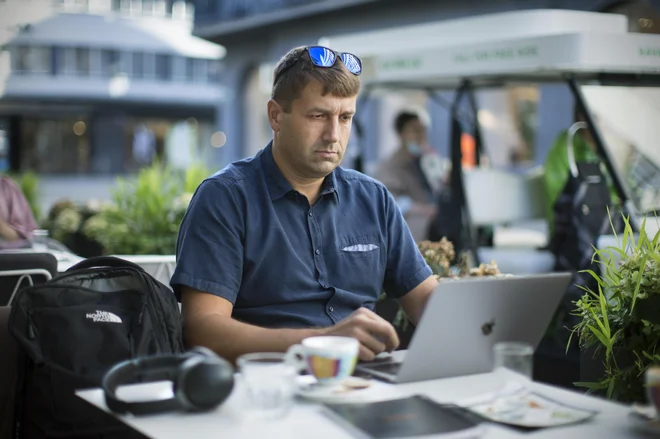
{"points": [[595, 134]]}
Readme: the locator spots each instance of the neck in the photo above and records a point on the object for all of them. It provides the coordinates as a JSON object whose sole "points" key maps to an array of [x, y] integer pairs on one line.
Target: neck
{"points": [[309, 187]]}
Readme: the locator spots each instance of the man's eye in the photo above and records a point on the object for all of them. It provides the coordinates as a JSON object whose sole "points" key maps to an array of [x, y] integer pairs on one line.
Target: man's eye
{"points": [[317, 116]]}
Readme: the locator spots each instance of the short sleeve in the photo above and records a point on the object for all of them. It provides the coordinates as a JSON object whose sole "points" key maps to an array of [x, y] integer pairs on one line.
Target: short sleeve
{"points": [[209, 250], [406, 267]]}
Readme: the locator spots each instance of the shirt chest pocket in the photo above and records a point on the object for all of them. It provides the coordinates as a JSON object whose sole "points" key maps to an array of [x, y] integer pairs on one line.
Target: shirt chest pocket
{"points": [[360, 246], [360, 264]]}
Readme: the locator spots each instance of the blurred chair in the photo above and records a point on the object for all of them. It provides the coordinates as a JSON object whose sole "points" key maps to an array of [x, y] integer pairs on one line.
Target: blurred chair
{"points": [[20, 269], [514, 205]]}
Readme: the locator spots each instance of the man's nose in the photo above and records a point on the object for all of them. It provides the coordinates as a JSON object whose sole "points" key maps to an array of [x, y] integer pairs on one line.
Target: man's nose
{"points": [[332, 130]]}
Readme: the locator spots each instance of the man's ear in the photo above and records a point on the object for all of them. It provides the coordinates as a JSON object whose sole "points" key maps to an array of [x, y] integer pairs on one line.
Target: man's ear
{"points": [[275, 115]]}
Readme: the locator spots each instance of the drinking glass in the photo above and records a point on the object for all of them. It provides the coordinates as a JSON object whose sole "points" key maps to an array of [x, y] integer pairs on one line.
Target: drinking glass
{"points": [[510, 399], [514, 356], [40, 241], [269, 382]]}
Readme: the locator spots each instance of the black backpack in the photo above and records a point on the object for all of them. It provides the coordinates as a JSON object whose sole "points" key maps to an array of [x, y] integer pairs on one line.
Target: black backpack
{"points": [[72, 329]]}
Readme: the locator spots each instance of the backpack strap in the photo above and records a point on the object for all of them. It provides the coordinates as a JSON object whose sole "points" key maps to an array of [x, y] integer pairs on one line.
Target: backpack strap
{"points": [[569, 146], [105, 261]]}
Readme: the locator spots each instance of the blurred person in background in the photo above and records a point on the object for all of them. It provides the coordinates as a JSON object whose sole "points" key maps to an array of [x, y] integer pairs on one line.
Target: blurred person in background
{"points": [[407, 177], [17, 222]]}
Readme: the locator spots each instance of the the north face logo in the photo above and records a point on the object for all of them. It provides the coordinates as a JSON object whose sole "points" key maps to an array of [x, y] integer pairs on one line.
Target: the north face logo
{"points": [[104, 316]]}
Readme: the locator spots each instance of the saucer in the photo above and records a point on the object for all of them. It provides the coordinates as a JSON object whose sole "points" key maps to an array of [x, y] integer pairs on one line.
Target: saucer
{"points": [[643, 418], [350, 388]]}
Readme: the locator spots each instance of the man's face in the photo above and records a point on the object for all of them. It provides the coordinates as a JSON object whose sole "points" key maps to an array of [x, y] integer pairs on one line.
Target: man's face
{"points": [[414, 132], [314, 134]]}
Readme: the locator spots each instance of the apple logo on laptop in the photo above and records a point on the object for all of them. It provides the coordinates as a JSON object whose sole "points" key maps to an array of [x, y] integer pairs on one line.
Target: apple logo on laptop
{"points": [[487, 328]]}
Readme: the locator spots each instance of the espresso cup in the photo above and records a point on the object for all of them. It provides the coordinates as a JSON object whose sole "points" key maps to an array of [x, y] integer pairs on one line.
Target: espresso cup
{"points": [[329, 359], [652, 378]]}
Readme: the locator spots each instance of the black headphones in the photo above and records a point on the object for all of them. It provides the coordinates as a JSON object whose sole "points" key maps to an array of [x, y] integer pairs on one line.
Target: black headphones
{"points": [[202, 381]]}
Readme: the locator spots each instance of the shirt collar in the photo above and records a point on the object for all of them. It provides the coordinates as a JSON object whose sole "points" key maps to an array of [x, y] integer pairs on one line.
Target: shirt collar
{"points": [[278, 185]]}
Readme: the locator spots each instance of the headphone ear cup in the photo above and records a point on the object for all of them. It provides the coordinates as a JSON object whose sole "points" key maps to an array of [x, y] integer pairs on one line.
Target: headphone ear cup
{"points": [[204, 383]]}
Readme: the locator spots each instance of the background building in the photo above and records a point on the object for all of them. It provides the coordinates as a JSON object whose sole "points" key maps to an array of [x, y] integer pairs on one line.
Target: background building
{"points": [[92, 89]]}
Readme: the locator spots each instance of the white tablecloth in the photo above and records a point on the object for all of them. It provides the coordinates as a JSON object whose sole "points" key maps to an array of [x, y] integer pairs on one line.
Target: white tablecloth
{"points": [[307, 420]]}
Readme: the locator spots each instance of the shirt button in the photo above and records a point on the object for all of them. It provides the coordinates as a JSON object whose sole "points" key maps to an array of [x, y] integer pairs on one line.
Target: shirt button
{"points": [[331, 309], [318, 252], [310, 213]]}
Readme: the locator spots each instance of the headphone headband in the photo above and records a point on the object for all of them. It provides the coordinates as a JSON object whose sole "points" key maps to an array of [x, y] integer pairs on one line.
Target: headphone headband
{"points": [[174, 368]]}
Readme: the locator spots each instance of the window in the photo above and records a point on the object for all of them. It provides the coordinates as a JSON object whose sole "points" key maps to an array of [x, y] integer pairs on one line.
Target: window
{"points": [[82, 61], [110, 63], [164, 67], [149, 65], [213, 71], [32, 59], [197, 70], [54, 146], [190, 71], [138, 65]]}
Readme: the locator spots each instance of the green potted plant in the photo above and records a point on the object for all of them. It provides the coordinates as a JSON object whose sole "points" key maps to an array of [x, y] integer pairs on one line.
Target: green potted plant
{"points": [[619, 326], [144, 214]]}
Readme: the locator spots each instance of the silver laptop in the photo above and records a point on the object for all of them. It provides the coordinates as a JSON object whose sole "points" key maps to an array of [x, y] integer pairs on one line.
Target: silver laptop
{"points": [[465, 318]]}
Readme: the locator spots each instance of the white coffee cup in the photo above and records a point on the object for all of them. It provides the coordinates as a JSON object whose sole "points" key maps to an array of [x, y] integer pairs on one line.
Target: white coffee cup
{"points": [[329, 358]]}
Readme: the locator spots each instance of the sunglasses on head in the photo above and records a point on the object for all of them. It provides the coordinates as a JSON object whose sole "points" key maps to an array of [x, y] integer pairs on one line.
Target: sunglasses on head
{"points": [[324, 57]]}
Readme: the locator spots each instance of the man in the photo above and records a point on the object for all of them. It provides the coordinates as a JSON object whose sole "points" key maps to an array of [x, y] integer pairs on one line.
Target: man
{"points": [[287, 245], [403, 175], [17, 222]]}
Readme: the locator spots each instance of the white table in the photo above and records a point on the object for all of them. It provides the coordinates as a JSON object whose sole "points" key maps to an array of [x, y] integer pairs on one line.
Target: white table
{"points": [[307, 421]]}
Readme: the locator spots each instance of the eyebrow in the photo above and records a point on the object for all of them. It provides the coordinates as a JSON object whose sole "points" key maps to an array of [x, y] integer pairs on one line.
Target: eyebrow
{"points": [[326, 111]]}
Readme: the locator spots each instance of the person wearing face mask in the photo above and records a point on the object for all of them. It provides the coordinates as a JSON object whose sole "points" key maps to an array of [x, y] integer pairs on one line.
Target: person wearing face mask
{"points": [[407, 176]]}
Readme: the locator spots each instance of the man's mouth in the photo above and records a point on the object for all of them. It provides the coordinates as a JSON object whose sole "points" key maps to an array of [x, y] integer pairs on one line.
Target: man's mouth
{"points": [[326, 153]]}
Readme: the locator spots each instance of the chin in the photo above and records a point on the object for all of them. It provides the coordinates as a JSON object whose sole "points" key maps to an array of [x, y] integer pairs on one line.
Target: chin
{"points": [[325, 168]]}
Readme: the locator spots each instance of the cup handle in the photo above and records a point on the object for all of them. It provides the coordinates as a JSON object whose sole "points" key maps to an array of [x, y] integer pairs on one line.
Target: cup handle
{"points": [[295, 356]]}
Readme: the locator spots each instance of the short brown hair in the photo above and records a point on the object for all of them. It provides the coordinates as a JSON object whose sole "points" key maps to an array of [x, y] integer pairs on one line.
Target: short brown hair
{"points": [[295, 70]]}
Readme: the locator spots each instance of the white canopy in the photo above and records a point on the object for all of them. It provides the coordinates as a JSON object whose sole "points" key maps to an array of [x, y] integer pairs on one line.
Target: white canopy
{"points": [[146, 34], [540, 43]]}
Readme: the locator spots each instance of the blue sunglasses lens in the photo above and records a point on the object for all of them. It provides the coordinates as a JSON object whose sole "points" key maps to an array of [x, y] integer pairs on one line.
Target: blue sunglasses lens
{"points": [[352, 63], [321, 56]]}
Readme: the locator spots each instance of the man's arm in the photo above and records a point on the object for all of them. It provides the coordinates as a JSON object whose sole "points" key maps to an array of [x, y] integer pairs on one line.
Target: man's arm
{"points": [[414, 302], [208, 322]]}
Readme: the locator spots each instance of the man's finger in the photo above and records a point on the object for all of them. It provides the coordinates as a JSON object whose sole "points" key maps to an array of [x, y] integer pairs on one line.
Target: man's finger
{"points": [[366, 354], [370, 342], [383, 331]]}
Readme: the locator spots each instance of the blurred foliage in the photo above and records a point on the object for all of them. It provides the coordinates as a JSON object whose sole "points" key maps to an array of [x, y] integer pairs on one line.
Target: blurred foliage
{"points": [[142, 217]]}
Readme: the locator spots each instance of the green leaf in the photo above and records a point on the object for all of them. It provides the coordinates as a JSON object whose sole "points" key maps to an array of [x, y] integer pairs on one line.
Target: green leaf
{"points": [[603, 308], [638, 281], [604, 340], [610, 388], [592, 385], [595, 276]]}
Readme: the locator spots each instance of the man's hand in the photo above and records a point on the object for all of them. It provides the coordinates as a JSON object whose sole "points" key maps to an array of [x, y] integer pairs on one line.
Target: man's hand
{"points": [[374, 333]]}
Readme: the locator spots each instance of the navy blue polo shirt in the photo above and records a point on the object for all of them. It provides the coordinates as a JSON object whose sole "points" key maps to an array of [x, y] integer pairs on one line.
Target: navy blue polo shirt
{"points": [[249, 237]]}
